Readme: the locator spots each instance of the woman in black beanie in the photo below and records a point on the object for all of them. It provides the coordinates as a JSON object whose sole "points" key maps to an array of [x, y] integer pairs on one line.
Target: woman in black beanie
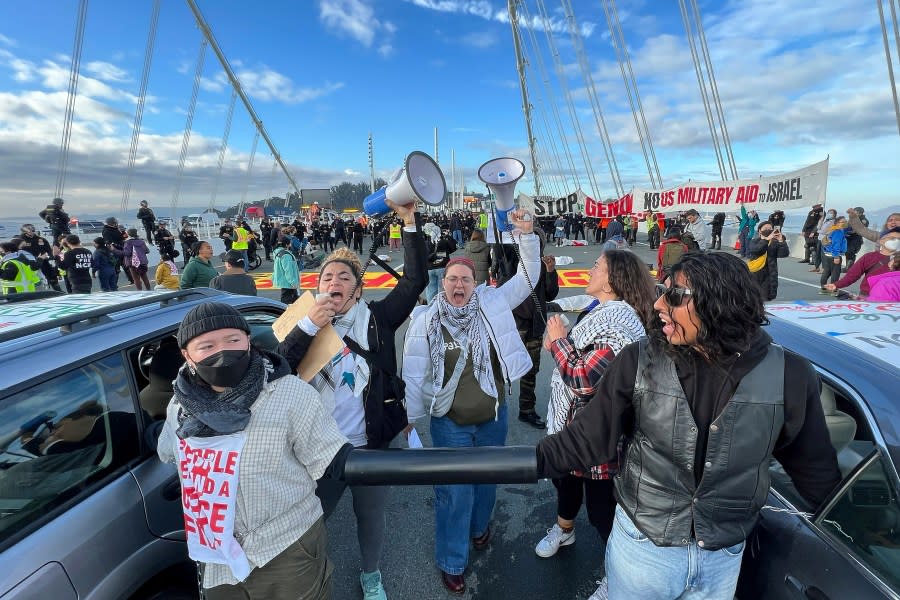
{"points": [[249, 439]]}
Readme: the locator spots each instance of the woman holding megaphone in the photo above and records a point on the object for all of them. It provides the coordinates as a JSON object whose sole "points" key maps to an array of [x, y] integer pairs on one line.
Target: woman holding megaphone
{"points": [[461, 353], [360, 384]]}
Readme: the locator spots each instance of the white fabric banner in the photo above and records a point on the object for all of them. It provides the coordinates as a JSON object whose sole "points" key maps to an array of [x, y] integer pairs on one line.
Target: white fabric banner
{"points": [[208, 468], [797, 189], [546, 206]]}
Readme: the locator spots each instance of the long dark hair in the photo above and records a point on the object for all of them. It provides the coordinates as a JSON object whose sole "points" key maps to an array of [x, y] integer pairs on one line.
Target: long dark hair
{"points": [[728, 303], [630, 280]]}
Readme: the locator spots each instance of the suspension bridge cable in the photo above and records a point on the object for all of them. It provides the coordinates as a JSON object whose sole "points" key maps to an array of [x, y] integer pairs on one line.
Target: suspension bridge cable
{"points": [[548, 92], [637, 95], [189, 122], [585, 66], [74, 70], [887, 55], [717, 101], [139, 110], [552, 151], [249, 172], [702, 84], [272, 180], [523, 86], [561, 78], [236, 85], [570, 105], [223, 147]]}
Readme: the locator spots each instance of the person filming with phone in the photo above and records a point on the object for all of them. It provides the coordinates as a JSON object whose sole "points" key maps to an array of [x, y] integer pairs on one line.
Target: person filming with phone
{"points": [[763, 252]]}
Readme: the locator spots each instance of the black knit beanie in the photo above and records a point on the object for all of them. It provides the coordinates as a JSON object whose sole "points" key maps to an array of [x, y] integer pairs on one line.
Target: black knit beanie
{"points": [[207, 317]]}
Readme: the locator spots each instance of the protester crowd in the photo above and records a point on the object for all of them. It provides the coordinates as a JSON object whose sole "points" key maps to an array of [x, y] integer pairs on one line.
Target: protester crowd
{"points": [[633, 419]]}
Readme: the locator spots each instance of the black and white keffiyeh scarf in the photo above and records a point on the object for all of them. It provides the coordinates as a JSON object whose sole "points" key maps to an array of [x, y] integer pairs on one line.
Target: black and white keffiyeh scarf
{"points": [[465, 326]]}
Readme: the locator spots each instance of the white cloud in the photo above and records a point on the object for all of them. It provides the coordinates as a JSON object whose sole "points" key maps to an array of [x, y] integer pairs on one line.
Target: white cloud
{"points": [[23, 70], [267, 85], [487, 11], [105, 71], [7, 41], [356, 19], [479, 40]]}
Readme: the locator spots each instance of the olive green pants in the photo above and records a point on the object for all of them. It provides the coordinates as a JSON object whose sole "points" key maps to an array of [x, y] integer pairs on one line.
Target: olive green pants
{"points": [[301, 572]]}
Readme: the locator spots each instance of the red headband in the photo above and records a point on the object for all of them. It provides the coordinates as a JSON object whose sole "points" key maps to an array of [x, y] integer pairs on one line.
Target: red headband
{"points": [[461, 260]]}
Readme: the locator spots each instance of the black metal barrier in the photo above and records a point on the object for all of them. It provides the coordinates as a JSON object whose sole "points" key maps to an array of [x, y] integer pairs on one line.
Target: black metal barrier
{"points": [[442, 466]]}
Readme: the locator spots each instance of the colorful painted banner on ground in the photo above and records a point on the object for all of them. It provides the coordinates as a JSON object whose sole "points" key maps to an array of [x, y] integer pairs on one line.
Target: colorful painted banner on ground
{"points": [[310, 281], [797, 189]]}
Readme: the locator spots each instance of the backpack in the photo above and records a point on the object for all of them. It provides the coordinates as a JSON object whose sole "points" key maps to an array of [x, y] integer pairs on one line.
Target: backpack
{"points": [[672, 254]]}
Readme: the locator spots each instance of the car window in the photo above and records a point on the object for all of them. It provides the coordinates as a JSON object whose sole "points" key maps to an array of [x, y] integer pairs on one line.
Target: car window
{"points": [[866, 519], [261, 328], [61, 435]]}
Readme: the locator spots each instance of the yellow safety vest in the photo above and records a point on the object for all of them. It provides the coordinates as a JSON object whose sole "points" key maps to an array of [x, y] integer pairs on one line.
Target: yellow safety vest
{"points": [[26, 279], [243, 239], [395, 232], [482, 221]]}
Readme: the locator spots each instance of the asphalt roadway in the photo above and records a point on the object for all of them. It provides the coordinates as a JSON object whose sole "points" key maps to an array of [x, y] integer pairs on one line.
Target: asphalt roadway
{"points": [[508, 568]]}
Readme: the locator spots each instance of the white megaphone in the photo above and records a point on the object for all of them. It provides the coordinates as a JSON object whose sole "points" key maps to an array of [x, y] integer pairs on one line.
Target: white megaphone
{"points": [[501, 175], [420, 178]]}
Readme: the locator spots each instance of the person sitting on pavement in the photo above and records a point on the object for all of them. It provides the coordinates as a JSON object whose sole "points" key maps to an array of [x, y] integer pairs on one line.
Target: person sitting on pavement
{"points": [[360, 384], [622, 308], [235, 279], [869, 265], [453, 371], [698, 442], [199, 270], [275, 437], [166, 276]]}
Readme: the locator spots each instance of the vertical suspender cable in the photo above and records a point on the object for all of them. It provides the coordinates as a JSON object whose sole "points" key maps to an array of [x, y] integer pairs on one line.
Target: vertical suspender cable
{"points": [[717, 101], [594, 100], [74, 70], [189, 122], [637, 95], [551, 101], [570, 105], [523, 86], [702, 84], [272, 175], [249, 173], [223, 147], [139, 110], [887, 55]]}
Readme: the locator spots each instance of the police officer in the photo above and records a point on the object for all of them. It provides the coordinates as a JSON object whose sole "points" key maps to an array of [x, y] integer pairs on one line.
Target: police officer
{"points": [[17, 273], [145, 214], [188, 239], [226, 233], [42, 250], [57, 218]]}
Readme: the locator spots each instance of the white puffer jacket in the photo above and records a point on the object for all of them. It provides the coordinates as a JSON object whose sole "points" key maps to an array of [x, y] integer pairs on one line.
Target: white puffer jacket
{"points": [[496, 306]]}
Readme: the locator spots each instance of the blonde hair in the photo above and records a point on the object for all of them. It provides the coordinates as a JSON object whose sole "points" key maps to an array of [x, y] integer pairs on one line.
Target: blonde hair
{"points": [[346, 256]]}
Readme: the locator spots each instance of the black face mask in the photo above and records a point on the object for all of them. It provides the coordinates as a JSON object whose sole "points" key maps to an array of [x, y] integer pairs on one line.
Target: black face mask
{"points": [[225, 368]]}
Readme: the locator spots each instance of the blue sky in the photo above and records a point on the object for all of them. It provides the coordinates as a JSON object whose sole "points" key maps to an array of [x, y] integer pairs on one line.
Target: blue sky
{"points": [[798, 80]]}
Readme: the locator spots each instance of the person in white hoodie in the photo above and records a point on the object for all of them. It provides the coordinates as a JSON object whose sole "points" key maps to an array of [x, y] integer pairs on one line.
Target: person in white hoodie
{"points": [[461, 355]]}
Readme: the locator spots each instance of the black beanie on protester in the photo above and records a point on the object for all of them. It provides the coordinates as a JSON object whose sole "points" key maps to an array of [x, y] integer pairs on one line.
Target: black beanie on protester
{"points": [[207, 317]]}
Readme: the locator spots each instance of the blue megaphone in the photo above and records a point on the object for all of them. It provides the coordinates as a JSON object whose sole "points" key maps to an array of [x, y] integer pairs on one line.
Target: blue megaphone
{"points": [[420, 178]]}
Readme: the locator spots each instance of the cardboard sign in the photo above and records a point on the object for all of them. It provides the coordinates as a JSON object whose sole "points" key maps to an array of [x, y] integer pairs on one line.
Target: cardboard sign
{"points": [[324, 346]]}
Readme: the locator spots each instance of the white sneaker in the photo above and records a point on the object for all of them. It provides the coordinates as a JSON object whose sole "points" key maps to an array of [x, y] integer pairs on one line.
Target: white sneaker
{"points": [[602, 592], [555, 538]]}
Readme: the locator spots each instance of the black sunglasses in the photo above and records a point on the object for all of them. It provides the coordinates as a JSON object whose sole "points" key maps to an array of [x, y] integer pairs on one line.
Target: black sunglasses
{"points": [[674, 295]]}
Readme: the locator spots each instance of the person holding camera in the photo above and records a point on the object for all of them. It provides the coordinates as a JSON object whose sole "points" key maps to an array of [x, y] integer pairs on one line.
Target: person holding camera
{"points": [[770, 242]]}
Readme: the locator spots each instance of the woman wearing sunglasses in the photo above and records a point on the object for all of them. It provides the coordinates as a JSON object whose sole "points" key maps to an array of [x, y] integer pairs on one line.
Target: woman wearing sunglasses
{"points": [[706, 401], [461, 353]]}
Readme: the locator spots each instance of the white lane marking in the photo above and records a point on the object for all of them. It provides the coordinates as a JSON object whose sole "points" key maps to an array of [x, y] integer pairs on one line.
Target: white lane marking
{"points": [[812, 285]]}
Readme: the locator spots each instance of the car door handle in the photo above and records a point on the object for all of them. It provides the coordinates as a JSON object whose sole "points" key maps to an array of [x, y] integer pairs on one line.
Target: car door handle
{"points": [[811, 592], [172, 489]]}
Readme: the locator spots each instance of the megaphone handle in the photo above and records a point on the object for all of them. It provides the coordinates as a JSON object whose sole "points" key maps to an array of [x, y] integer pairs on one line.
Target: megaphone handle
{"points": [[515, 245]]}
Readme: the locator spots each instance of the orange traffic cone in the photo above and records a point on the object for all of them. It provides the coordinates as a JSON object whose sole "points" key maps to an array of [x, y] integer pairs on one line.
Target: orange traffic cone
{"points": [[737, 244]]}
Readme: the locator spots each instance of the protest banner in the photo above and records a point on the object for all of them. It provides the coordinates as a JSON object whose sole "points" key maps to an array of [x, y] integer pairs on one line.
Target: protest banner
{"points": [[797, 189]]}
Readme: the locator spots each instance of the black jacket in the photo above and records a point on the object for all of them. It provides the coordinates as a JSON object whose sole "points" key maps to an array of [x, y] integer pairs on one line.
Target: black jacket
{"points": [[113, 236], [146, 216], [767, 277], [546, 288], [803, 448], [388, 315]]}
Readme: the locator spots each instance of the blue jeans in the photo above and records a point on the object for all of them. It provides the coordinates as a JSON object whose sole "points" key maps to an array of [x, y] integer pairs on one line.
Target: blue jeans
{"points": [[463, 512], [434, 284], [677, 572], [457, 236]]}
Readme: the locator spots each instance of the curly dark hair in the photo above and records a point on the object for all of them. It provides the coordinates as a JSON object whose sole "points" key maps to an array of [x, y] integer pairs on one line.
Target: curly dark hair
{"points": [[728, 303], [631, 281]]}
